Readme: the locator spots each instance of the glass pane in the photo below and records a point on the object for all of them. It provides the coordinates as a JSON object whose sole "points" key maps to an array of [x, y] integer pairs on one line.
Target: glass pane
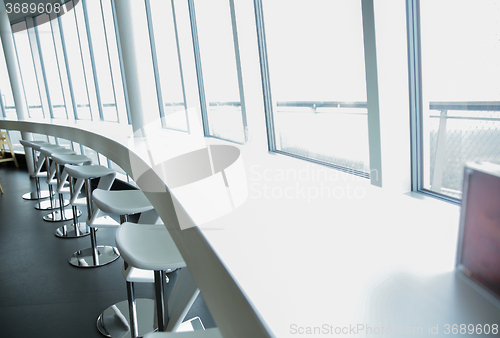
{"points": [[102, 62], [218, 60], [27, 68], [317, 76], [51, 68], [77, 147], [92, 154], [63, 68], [116, 167], [80, 73], [169, 71], [114, 61], [460, 89], [14, 137], [6, 97], [64, 143]]}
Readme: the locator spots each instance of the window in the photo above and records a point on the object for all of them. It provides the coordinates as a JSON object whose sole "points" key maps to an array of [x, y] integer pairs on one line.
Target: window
{"points": [[7, 106], [27, 69], [103, 46], [74, 37], [312, 59], [50, 67], [457, 109], [170, 82], [218, 68]]}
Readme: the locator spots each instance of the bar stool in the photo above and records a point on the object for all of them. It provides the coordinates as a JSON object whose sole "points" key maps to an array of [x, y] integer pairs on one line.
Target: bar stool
{"points": [[60, 214], [150, 247], [79, 229], [96, 255], [49, 204], [37, 194], [113, 321], [209, 333]]}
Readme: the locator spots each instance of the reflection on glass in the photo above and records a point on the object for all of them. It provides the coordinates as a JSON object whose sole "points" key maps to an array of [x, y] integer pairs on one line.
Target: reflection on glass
{"points": [[218, 61], [317, 77], [460, 50]]}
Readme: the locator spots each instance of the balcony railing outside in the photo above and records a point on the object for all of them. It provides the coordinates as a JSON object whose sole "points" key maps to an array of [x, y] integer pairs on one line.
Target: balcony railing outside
{"points": [[462, 132], [334, 133]]}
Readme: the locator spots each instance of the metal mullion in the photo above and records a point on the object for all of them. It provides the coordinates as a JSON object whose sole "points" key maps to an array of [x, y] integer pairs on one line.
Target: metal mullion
{"points": [[83, 65], [68, 73], [21, 74], [51, 21], [415, 83], [199, 72], [120, 59], [109, 61], [92, 60], [29, 34], [238, 69], [155, 61], [180, 65], [44, 74], [264, 68]]}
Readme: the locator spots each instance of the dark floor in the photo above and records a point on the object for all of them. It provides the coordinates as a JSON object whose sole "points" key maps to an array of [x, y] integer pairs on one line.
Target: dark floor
{"points": [[41, 294]]}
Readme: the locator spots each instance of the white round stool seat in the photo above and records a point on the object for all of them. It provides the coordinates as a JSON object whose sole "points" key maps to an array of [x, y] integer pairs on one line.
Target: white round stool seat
{"points": [[148, 246], [38, 144], [87, 171], [121, 202], [209, 333], [75, 159], [49, 151], [32, 144]]}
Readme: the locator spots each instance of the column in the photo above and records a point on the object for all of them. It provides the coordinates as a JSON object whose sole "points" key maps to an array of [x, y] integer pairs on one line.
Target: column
{"points": [[137, 63], [15, 76]]}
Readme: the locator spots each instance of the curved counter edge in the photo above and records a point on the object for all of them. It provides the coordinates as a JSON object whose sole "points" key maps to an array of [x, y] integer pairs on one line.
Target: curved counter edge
{"points": [[231, 309]]}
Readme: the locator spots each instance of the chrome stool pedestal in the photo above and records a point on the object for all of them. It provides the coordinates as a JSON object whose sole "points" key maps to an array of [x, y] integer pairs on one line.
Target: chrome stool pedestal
{"points": [[115, 320], [76, 229], [96, 255], [149, 252], [60, 213]]}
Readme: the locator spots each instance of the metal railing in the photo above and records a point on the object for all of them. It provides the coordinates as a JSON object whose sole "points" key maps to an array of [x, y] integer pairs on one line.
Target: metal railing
{"points": [[321, 104], [466, 132]]}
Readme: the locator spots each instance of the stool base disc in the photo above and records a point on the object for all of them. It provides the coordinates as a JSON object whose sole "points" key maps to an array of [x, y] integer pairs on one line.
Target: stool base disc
{"points": [[34, 195], [112, 324], [50, 205], [55, 216], [68, 231], [84, 258]]}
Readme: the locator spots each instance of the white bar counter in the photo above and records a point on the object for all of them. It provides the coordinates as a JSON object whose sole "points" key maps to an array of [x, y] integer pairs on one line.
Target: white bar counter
{"points": [[312, 251]]}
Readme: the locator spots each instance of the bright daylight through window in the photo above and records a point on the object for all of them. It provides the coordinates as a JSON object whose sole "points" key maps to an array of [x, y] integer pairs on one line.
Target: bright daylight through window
{"points": [[317, 79], [460, 96]]}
